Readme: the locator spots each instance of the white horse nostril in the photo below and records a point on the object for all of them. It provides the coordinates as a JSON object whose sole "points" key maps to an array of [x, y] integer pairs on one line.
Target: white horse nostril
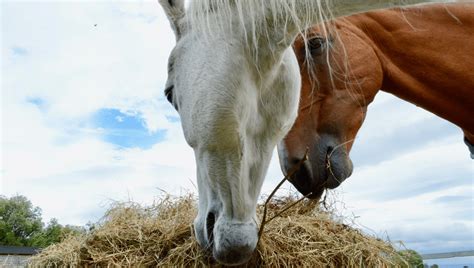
{"points": [[210, 222]]}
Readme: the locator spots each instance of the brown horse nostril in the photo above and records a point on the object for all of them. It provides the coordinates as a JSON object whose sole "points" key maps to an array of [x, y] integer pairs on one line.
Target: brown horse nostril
{"points": [[210, 222], [329, 151], [295, 161]]}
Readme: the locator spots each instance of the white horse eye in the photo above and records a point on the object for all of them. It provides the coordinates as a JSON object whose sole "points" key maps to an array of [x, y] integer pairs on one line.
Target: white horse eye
{"points": [[169, 96], [169, 93]]}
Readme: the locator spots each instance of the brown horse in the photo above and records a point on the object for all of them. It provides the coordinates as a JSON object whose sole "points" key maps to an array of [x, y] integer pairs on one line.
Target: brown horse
{"points": [[422, 54]]}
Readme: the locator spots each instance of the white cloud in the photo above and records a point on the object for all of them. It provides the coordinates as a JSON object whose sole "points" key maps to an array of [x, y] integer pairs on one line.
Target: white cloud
{"points": [[436, 165], [51, 155], [419, 221], [79, 68]]}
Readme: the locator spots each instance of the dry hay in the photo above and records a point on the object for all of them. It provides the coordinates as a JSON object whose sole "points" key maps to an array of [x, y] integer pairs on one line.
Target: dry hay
{"points": [[161, 235]]}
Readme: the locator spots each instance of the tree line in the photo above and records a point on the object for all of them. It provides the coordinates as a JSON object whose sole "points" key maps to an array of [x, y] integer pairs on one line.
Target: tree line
{"points": [[21, 224]]}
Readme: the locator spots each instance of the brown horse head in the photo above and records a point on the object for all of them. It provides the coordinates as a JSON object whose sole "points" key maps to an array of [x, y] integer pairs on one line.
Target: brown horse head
{"points": [[341, 74]]}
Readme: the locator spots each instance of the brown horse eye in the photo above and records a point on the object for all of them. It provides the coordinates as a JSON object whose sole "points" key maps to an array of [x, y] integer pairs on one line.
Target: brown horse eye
{"points": [[316, 45]]}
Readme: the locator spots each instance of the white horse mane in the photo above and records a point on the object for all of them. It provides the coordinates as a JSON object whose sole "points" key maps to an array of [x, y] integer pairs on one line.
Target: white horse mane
{"points": [[255, 17], [264, 20]]}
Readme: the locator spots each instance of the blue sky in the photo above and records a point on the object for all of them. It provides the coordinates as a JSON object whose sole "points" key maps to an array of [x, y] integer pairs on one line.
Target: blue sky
{"points": [[127, 130], [84, 123], [19, 51]]}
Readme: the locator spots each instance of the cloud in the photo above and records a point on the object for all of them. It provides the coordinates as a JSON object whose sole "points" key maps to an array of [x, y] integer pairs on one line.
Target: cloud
{"points": [[440, 165], [394, 127], [79, 68], [77, 195], [454, 199], [401, 140], [416, 222], [440, 237], [59, 142]]}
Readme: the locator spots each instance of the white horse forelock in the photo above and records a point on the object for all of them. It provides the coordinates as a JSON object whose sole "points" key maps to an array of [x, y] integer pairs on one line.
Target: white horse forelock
{"points": [[261, 20], [264, 21]]}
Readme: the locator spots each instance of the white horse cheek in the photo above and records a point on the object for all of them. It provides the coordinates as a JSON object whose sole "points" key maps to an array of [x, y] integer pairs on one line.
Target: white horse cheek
{"points": [[286, 93]]}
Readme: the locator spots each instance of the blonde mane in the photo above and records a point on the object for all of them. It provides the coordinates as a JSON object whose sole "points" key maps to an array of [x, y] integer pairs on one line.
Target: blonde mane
{"points": [[258, 20], [265, 19]]}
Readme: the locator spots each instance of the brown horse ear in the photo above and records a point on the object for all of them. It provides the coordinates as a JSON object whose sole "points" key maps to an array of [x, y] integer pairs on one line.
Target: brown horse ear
{"points": [[174, 10]]}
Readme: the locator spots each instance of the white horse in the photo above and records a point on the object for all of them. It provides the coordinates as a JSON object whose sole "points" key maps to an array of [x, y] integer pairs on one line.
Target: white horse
{"points": [[235, 82]]}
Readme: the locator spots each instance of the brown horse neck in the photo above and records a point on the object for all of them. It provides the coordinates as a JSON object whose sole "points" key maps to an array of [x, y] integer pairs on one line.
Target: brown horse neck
{"points": [[426, 56]]}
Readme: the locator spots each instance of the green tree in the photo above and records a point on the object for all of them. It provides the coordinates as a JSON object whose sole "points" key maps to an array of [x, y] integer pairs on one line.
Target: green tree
{"points": [[21, 225], [412, 257], [54, 233], [19, 221]]}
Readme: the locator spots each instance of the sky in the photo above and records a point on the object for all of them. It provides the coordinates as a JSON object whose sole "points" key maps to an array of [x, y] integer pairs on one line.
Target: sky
{"points": [[84, 123]]}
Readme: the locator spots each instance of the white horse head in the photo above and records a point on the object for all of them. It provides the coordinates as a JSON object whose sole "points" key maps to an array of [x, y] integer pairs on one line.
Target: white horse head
{"points": [[235, 82]]}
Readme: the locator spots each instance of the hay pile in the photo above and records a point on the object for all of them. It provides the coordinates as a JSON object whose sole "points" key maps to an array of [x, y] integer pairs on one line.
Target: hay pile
{"points": [[161, 235]]}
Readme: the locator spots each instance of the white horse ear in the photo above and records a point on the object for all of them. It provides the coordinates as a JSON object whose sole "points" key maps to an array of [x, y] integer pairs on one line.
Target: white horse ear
{"points": [[174, 10]]}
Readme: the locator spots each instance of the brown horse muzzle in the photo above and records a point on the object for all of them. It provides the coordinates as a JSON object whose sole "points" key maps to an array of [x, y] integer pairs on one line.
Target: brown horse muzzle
{"points": [[328, 165]]}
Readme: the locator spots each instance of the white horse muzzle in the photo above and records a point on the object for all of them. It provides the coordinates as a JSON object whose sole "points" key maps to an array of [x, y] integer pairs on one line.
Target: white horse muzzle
{"points": [[231, 242]]}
